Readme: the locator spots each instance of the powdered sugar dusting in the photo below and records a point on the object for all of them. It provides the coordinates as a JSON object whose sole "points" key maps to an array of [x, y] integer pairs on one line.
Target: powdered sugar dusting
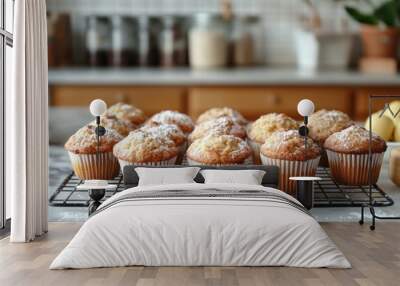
{"points": [[127, 112], [218, 112], [354, 139], [323, 123], [219, 149], [172, 116], [141, 145], [123, 127], [289, 145], [85, 140], [267, 124], [219, 126], [166, 131]]}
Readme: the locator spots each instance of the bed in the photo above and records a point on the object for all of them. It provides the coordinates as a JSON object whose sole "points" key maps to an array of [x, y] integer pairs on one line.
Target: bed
{"points": [[197, 224]]}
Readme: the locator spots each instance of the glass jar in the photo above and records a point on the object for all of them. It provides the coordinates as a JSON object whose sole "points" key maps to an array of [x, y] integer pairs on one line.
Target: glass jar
{"points": [[172, 42], [124, 42], [208, 42], [98, 40], [148, 29], [246, 40]]}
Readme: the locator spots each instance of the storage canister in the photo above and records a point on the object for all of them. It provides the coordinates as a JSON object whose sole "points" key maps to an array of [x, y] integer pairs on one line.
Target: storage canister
{"points": [[208, 41]]}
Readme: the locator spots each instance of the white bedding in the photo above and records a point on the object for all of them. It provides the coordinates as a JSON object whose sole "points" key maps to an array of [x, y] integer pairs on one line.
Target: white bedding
{"points": [[185, 231]]}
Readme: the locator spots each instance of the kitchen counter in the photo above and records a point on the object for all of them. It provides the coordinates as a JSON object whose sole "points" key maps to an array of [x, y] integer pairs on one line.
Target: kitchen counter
{"points": [[243, 76]]}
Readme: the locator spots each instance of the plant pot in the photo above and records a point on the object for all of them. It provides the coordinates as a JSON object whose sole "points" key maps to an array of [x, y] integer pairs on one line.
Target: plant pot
{"points": [[322, 50], [379, 42]]}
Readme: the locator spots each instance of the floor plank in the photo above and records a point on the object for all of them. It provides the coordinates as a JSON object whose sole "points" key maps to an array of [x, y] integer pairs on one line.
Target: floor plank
{"points": [[375, 257]]}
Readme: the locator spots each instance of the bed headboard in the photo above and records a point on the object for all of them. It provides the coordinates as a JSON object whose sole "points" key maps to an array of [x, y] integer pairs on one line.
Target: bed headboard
{"points": [[270, 179]]}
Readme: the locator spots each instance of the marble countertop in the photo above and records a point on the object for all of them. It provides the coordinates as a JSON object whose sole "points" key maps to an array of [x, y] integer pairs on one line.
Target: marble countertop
{"points": [[242, 76]]}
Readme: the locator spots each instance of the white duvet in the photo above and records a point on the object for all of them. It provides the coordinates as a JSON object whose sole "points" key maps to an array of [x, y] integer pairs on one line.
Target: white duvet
{"points": [[200, 231]]}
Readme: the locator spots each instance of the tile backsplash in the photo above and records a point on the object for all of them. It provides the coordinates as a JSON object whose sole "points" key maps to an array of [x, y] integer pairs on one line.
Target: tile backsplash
{"points": [[280, 17]]}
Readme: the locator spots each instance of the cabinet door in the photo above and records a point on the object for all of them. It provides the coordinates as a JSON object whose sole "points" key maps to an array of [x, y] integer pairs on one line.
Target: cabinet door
{"points": [[255, 101], [361, 104], [149, 99]]}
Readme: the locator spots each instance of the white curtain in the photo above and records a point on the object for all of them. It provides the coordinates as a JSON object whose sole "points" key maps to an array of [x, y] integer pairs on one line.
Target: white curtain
{"points": [[27, 123]]}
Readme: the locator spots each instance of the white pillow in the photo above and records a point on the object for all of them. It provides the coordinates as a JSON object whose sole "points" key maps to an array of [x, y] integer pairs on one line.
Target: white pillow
{"points": [[248, 177], [165, 176]]}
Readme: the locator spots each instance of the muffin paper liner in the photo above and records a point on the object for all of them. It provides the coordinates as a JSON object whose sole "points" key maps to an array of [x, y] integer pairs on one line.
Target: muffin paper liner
{"points": [[256, 150], [92, 167], [289, 169], [352, 169], [248, 161], [168, 162]]}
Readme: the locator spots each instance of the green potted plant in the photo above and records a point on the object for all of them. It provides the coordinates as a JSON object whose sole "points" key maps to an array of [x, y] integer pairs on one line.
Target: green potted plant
{"points": [[379, 27]]}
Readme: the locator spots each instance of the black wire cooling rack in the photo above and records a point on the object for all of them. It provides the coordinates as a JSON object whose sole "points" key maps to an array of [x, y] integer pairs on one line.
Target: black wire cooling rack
{"points": [[67, 194], [327, 193]]}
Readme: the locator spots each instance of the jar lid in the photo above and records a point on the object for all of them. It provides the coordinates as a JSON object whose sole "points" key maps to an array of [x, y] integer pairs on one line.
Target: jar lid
{"points": [[206, 18]]}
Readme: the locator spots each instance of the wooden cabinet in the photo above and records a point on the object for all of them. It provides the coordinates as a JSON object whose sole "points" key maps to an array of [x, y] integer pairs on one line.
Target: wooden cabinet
{"points": [[149, 99], [252, 101], [255, 101]]}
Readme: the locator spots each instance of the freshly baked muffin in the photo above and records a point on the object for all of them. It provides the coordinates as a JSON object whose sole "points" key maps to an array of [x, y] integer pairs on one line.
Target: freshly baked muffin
{"points": [[145, 148], [217, 112], [348, 155], [324, 123], [171, 132], [183, 121], [219, 126], [123, 127], [287, 150], [264, 127], [82, 148], [126, 112], [219, 150]]}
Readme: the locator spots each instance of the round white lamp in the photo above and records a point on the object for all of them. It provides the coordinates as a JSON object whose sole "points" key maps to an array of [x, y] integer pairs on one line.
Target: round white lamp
{"points": [[97, 107], [305, 107]]}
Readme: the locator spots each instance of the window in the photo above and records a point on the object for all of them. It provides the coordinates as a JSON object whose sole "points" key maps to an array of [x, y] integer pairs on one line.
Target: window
{"points": [[6, 43]]}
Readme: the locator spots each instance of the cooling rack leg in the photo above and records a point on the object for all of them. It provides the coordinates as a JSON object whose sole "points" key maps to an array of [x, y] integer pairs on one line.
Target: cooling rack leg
{"points": [[372, 210], [361, 221]]}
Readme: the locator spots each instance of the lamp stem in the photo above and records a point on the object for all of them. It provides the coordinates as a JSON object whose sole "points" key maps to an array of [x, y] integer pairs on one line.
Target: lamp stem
{"points": [[306, 133], [97, 137]]}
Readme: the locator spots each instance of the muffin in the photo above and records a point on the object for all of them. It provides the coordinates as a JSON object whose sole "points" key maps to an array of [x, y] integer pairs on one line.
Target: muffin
{"points": [[171, 132], [218, 112], [142, 147], [324, 123], [126, 112], [82, 150], [264, 127], [123, 127], [287, 150], [183, 121], [348, 155], [219, 150], [219, 126]]}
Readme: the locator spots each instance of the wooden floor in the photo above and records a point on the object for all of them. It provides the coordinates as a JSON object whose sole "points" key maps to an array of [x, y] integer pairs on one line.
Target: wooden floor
{"points": [[375, 257]]}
